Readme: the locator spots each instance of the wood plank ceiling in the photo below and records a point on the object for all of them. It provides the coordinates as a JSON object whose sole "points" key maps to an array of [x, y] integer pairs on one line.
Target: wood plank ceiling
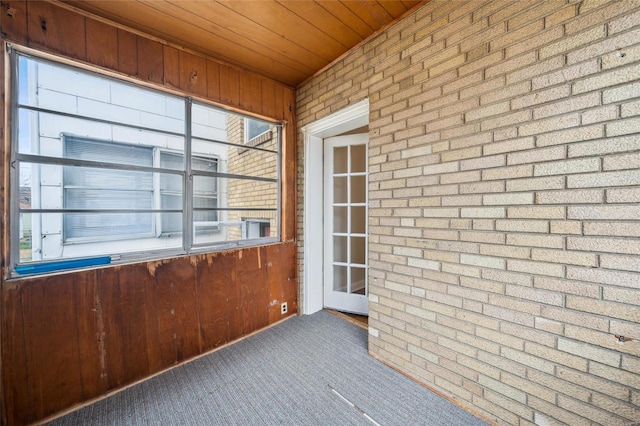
{"points": [[286, 40]]}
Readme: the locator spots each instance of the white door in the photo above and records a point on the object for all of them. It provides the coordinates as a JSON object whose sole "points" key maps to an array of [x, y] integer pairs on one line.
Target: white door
{"points": [[345, 223]]}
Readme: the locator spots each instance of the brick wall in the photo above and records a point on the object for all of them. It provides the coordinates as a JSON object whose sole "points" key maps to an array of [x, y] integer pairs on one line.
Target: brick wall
{"points": [[504, 187], [248, 193]]}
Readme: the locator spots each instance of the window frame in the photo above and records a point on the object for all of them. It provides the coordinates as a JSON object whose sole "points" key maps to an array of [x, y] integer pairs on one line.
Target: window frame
{"points": [[189, 246]]}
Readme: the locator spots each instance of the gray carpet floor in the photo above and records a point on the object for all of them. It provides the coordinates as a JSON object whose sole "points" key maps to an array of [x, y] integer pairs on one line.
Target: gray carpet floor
{"points": [[303, 371]]}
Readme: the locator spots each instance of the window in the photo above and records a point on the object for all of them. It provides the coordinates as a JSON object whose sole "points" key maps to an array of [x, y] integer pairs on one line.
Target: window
{"points": [[108, 171], [255, 128]]}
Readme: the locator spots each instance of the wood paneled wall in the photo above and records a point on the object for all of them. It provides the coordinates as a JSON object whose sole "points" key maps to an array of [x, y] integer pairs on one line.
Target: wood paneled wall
{"points": [[71, 337]]}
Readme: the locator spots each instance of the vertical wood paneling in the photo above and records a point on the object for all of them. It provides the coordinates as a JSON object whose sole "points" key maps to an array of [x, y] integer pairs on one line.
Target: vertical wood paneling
{"points": [[127, 53], [213, 80], [51, 345], [229, 86], [91, 334], [13, 20], [166, 322], [178, 278], [250, 92], [108, 286], [15, 395], [171, 67], [150, 60], [268, 98], [102, 44], [54, 28], [213, 302], [193, 74]]}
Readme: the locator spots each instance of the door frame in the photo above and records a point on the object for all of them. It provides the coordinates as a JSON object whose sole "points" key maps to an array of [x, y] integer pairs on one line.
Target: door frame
{"points": [[350, 118]]}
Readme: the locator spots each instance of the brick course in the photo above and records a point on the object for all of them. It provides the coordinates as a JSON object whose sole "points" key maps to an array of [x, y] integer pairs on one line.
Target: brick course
{"points": [[504, 182]]}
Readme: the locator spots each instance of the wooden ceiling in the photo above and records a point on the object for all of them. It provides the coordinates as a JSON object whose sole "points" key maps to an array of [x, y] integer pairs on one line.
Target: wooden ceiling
{"points": [[286, 40]]}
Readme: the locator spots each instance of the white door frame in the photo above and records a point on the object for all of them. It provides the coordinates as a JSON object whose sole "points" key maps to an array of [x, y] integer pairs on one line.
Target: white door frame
{"points": [[347, 119]]}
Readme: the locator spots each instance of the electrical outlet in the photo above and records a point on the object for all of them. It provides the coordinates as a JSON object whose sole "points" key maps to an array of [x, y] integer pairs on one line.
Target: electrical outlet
{"points": [[283, 308]]}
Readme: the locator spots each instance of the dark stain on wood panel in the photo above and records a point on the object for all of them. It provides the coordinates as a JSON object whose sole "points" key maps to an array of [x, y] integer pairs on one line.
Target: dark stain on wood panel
{"points": [[51, 27], [102, 44], [90, 335], [13, 20], [133, 324], [51, 345], [213, 80], [193, 74], [171, 67], [127, 53], [213, 301], [234, 295], [229, 85], [165, 318], [250, 92], [16, 401], [108, 286], [178, 277], [275, 280], [150, 60]]}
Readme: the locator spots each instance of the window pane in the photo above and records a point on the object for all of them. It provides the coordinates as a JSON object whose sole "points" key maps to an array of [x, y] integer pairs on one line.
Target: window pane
{"points": [[73, 91], [116, 207], [255, 128]]}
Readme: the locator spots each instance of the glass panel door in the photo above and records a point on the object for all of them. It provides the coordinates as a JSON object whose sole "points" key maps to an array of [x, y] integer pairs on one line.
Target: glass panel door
{"points": [[345, 227]]}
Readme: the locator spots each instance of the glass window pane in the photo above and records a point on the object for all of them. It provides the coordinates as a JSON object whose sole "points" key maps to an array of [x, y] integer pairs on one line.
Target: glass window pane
{"points": [[340, 219], [340, 189], [340, 159], [358, 219], [358, 280], [90, 95], [358, 189], [339, 249], [340, 278], [358, 250], [358, 158]]}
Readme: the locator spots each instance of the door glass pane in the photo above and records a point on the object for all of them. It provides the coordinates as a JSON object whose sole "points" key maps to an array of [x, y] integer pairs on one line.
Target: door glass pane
{"points": [[340, 189], [358, 219], [340, 158], [358, 189], [358, 250], [340, 278], [358, 158], [358, 280], [339, 249], [340, 219]]}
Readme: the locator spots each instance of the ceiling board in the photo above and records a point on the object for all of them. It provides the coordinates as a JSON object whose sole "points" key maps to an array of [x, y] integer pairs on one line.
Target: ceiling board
{"points": [[286, 40]]}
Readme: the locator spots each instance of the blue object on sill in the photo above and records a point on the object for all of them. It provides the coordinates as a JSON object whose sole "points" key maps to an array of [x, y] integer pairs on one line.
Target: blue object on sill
{"points": [[40, 268]]}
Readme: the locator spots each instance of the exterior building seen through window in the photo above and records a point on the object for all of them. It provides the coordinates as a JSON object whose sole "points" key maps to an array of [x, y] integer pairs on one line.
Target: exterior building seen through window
{"points": [[105, 171]]}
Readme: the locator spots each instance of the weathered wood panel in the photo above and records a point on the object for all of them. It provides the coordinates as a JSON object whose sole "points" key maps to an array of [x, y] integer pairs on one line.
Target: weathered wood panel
{"points": [[71, 337], [127, 53], [51, 345], [53, 28], [171, 67], [90, 329], [193, 74], [150, 60], [102, 44], [13, 20]]}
